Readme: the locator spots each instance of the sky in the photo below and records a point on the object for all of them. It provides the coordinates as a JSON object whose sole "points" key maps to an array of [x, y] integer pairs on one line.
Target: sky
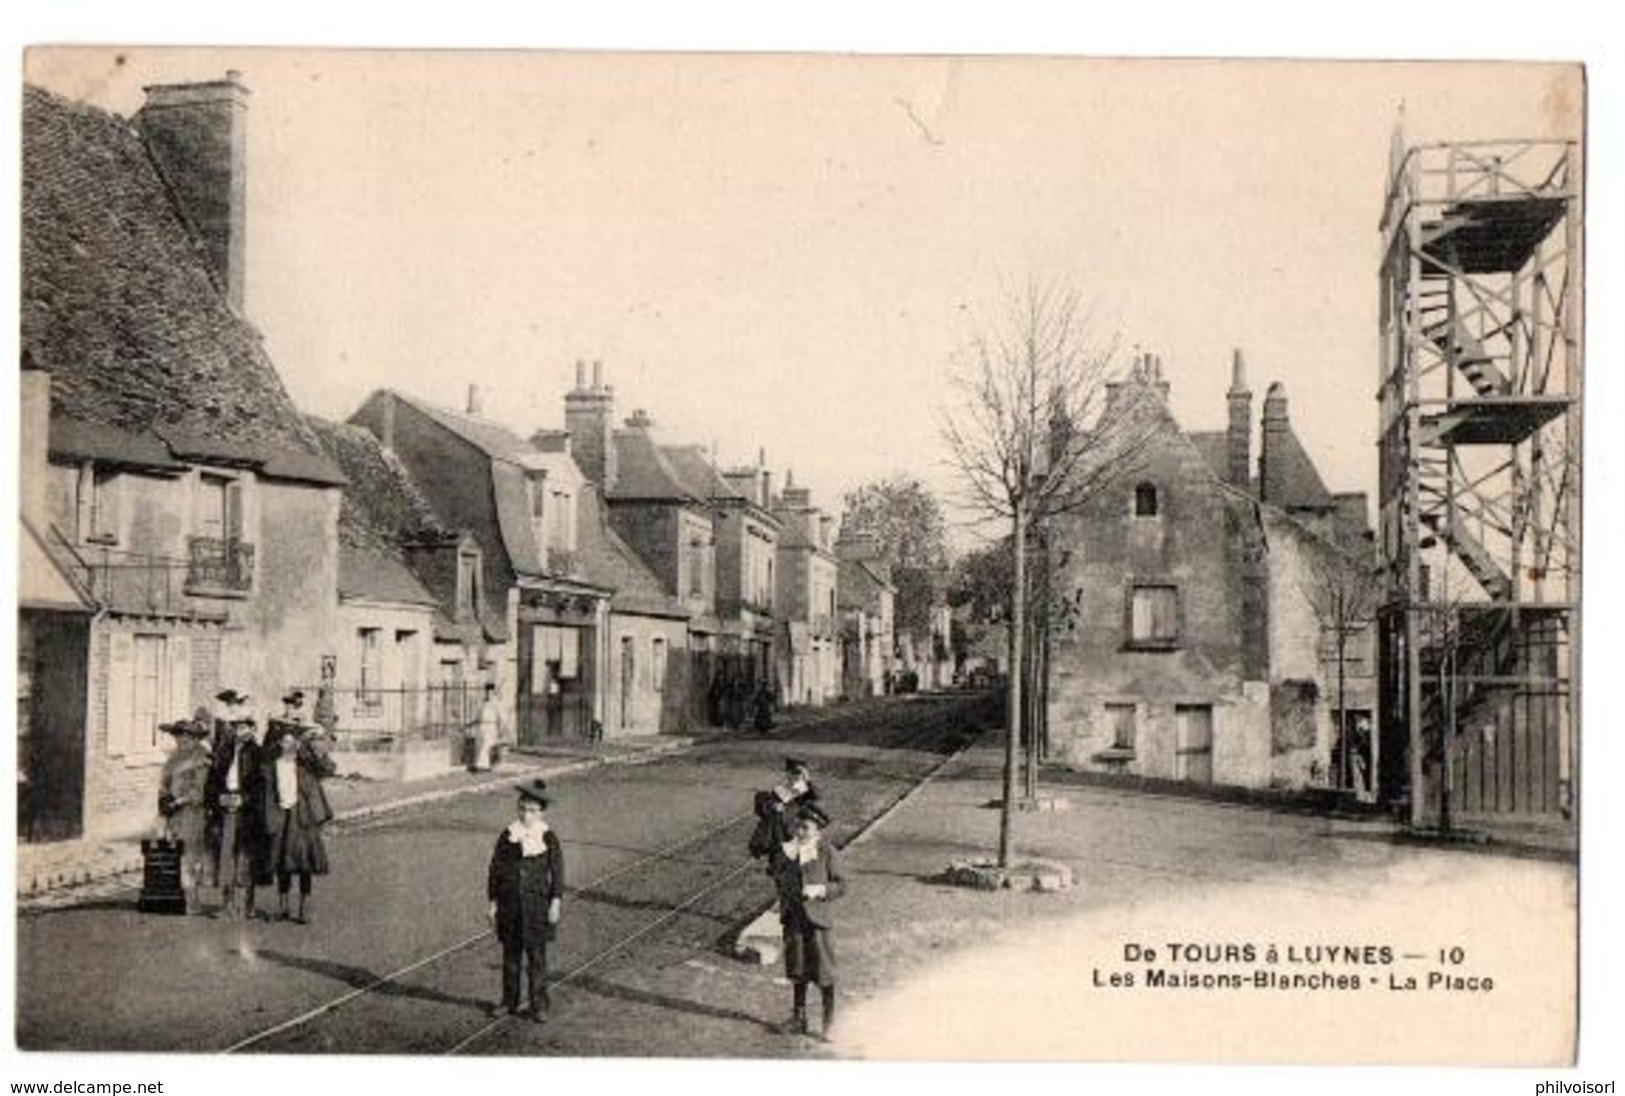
{"points": [[783, 253]]}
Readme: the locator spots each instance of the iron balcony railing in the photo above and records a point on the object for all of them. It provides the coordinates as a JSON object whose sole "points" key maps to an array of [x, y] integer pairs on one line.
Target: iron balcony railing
{"points": [[219, 565], [129, 582]]}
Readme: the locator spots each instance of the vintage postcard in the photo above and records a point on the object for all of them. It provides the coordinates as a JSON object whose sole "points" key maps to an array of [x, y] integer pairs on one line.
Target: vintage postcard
{"points": [[745, 556]]}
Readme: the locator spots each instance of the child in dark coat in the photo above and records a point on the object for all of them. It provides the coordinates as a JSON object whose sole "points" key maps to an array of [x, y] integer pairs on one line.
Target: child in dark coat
{"points": [[525, 886], [807, 873]]}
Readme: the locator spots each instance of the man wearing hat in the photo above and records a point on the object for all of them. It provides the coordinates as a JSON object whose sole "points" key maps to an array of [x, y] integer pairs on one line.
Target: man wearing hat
{"points": [[775, 809], [238, 783], [807, 874], [183, 800], [525, 886]]}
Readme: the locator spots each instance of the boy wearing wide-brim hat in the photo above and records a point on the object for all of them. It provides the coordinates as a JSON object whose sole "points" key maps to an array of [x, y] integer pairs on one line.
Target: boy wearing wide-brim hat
{"points": [[807, 873], [183, 793], [525, 886]]}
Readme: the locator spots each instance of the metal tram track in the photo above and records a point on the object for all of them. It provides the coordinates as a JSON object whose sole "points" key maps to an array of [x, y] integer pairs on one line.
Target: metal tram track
{"points": [[686, 855]]}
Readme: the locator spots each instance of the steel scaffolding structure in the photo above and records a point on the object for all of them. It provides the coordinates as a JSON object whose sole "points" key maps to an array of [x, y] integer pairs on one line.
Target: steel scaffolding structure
{"points": [[1479, 478]]}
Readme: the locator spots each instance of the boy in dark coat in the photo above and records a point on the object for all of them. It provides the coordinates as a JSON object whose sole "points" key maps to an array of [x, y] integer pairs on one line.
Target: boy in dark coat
{"points": [[525, 886], [807, 873]]}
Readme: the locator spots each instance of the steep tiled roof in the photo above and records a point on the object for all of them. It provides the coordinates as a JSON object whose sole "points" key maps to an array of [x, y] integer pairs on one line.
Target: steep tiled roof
{"points": [[1214, 445], [698, 472], [383, 507], [376, 575], [76, 440], [1292, 481], [493, 439], [857, 581], [117, 302], [644, 471], [610, 562], [512, 494]]}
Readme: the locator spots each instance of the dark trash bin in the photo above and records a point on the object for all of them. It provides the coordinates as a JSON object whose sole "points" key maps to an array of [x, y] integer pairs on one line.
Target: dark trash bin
{"points": [[161, 889]]}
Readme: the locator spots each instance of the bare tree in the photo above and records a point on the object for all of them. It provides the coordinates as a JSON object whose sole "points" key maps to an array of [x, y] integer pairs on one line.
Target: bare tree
{"points": [[1344, 589], [1034, 435]]}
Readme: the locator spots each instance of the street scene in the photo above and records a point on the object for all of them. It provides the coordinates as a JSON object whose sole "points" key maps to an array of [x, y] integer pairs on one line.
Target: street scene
{"points": [[624, 556]]}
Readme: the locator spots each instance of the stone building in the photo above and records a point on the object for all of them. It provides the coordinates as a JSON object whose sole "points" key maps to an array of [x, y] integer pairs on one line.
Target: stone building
{"points": [[1193, 649], [866, 598], [809, 652], [544, 617], [709, 539], [182, 495]]}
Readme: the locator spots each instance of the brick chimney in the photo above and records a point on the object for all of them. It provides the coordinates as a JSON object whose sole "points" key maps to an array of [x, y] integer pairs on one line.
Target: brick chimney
{"points": [[474, 405], [1271, 476], [589, 417], [1239, 436], [197, 135]]}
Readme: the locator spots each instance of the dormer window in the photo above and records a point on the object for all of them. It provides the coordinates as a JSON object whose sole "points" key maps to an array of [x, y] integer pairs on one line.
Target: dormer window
{"points": [[468, 578], [1147, 502]]}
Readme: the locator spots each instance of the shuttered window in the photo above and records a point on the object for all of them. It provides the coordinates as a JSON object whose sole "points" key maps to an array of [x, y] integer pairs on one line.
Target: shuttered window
{"points": [[1154, 615], [149, 682]]}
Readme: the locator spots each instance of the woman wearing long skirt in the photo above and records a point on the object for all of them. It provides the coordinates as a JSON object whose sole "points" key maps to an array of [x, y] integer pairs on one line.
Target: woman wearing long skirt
{"points": [[296, 809]]}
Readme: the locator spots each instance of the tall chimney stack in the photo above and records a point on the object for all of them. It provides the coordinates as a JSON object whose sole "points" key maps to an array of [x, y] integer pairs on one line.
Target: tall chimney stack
{"points": [[473, 399], [197, 135], [1239, 435], [589, 417], [1272, 474]]}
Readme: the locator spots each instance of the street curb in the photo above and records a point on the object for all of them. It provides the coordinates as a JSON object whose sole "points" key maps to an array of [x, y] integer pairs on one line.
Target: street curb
{"points": [[511, 780]]}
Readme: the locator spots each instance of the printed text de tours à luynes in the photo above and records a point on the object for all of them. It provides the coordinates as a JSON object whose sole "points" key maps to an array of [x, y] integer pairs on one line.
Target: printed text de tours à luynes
{"points": [[1294, 966]]}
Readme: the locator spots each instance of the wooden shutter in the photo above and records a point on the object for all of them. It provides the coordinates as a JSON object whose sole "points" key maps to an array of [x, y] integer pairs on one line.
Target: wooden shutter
{"points": [[106, 487], [178, 703], [234, 511]]}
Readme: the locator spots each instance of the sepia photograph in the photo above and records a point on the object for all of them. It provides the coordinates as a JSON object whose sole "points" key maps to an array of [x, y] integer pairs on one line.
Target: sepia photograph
{"points": [[798, 556]]}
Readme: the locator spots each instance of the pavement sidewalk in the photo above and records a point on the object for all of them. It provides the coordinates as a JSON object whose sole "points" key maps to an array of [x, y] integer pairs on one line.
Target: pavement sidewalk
{"points": [[1132, 852]]}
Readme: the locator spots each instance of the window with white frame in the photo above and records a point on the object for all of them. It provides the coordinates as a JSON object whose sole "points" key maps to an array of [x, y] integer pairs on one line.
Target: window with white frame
{"points": [[149, 683]]}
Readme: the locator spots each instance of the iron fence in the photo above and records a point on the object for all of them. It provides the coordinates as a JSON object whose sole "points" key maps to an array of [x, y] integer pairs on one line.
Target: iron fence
{"points": [[426, 711]]}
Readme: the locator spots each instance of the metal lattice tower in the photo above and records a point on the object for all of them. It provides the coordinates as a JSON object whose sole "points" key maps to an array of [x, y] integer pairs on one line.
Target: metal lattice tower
{"points": [[1479, 477]]}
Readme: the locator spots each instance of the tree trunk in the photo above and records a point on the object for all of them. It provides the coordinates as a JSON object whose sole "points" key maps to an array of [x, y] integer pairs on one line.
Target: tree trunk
{"points": [[1013, 712]]}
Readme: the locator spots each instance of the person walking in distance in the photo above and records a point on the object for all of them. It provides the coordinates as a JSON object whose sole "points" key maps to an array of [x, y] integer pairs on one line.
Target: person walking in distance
{"points": [[296, 807], [183, 801], [489, 731], [238, 782], [807, 874], [525, 887]]}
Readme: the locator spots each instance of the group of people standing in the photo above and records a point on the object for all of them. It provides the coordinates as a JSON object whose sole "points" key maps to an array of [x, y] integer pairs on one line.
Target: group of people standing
{"points": [[247, 805]]}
